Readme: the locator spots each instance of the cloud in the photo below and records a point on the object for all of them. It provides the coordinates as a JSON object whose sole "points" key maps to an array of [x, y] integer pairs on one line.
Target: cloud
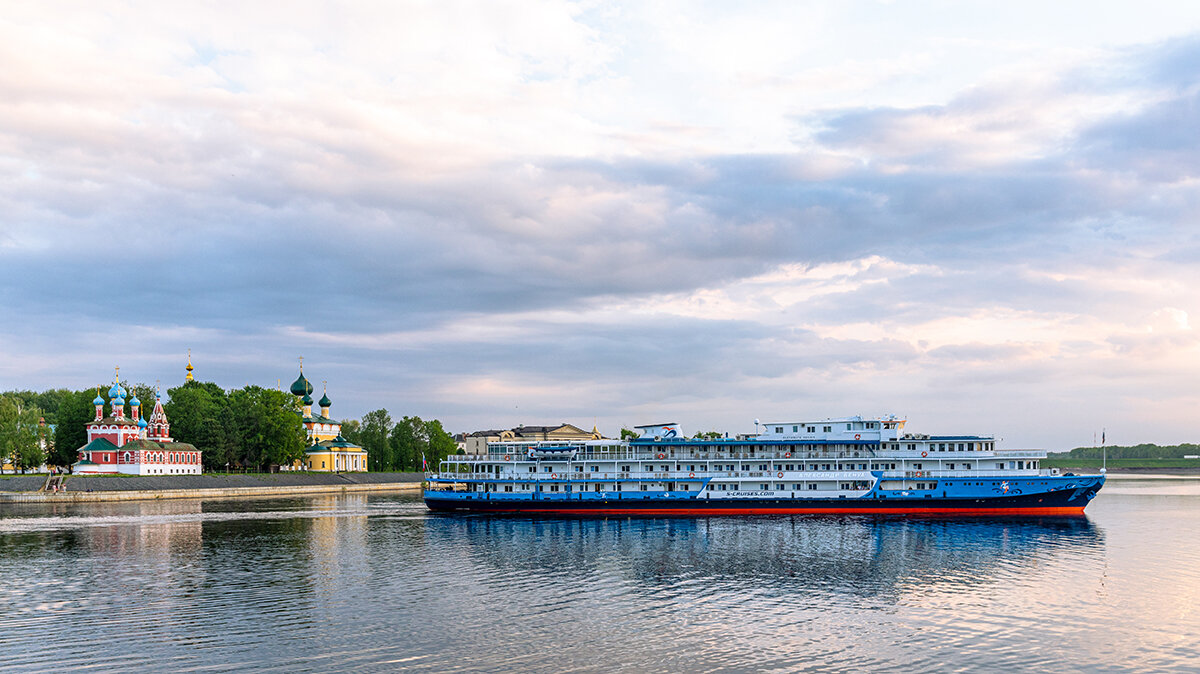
{"points": [[533, 212]]}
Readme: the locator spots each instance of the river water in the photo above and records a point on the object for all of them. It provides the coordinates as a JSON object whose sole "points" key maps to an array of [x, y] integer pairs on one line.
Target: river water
{"points": [[375, 582]]}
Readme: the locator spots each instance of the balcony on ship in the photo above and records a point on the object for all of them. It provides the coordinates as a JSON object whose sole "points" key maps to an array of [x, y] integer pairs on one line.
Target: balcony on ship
{"points": [[726, 449]]}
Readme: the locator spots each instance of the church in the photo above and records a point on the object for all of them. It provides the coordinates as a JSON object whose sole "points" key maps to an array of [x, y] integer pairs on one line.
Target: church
{"points": [[133, 445], [328, 451]]}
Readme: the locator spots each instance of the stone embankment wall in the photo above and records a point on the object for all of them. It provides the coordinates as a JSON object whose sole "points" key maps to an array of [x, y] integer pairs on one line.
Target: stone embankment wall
{"points": [[103, 488]]}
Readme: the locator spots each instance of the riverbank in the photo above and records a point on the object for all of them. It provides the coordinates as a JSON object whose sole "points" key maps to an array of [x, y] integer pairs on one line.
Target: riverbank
{"points": [[1138, 471], [1165, 466], [82, 489]]}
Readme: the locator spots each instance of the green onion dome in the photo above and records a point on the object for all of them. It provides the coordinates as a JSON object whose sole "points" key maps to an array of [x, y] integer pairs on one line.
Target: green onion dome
{"points": [[325, 402], [307, 399], [301, 387]]}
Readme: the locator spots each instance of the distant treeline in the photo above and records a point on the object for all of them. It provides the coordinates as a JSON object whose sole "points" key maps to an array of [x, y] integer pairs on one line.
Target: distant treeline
{"points": [[247, 428], [24, 438], [1143, 451], [400, 445], [244, 428]]}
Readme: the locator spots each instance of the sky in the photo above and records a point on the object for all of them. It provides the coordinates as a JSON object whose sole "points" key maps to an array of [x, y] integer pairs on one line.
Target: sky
{"points": [[983, 217]]}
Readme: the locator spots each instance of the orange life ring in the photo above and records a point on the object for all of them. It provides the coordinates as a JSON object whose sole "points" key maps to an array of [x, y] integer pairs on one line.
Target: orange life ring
{"points": [[780, 474], [508, 457], [662, 456], [787, 455], [553, 476], [691, 475], [857, 436], [924, 453]]}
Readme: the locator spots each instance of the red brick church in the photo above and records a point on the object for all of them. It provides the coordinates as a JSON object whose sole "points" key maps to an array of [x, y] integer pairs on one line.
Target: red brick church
{"points": [[133, 445]]}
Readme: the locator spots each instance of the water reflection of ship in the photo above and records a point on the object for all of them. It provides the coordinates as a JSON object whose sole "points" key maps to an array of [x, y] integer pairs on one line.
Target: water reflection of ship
{"points": [[849, 554]]}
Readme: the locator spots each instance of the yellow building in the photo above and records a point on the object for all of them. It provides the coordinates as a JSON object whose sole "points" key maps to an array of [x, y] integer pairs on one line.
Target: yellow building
{"points": [[338, 455], [327, 451]]}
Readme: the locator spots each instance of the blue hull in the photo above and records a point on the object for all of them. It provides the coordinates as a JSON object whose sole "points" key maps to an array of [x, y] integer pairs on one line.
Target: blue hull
{"points": [[1059, 501]]}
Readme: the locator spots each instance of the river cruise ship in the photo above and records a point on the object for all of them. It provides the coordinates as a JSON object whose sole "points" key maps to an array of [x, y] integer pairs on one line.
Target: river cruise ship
{"points": [[845, 465]]}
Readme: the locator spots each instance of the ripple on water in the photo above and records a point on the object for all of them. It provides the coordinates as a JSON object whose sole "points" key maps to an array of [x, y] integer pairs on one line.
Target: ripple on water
{"points": [[375, 582]]}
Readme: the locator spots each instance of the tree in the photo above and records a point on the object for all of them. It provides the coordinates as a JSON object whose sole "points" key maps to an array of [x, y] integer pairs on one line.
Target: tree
{"points": [[627, 434], [20, 434], [412, 439], [47, 401], [145, 395], [50, 401], [351, 430], [441, 443], [409, 441], [373, 437], [32, 455], [266, 427], [70, 430], [198, 414], [1142, 451]]}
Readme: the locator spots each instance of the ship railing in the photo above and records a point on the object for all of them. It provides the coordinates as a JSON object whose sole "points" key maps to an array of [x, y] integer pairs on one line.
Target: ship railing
{"points": [[682, 473], [678, 456], [686, 476], [675, 457], [898, 474], [964, 454]]}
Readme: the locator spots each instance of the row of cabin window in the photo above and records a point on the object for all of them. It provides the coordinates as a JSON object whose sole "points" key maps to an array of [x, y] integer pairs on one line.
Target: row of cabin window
{"points": [[825, 429], [567, 488], [811, 486], [944, 446], [828, 447], [694, 468]]}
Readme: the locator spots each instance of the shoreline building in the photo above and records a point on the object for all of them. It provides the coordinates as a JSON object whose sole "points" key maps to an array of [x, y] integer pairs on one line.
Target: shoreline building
{"points": [[476, 443], [328, 451], [133, 445]]}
